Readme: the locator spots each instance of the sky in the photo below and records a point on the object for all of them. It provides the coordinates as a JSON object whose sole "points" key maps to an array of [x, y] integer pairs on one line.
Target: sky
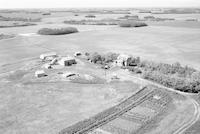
{"points": [[96, 3]]}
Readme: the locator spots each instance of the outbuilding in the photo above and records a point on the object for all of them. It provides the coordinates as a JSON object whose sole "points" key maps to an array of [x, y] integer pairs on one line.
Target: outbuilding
{"points": [[68, 74], [77, 54], [47, 66], [48, 56], [67, 61], [40, 73]]}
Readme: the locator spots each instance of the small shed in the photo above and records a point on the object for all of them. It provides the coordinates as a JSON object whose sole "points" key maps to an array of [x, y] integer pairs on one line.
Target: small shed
{"points": [[40, 73], [47, 66], [68, 74], [77, 54], [67, 61], [46, 56]]}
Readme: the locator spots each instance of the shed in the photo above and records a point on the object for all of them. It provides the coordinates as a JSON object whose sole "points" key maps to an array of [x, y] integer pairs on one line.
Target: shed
{"points": [[47, 56], [67, 61], [77, 54], [47, 66], [40, 73], [68, 74]]}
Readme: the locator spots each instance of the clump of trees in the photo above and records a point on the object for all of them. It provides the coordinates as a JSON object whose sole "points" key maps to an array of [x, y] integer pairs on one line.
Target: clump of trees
{"points": [[175, 76], [131, 23], [6, 36], [102, 59], [2, 18], [57, 31]]}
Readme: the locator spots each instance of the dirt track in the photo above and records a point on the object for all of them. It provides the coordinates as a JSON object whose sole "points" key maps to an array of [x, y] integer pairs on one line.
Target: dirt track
{"points": [[196, 115], [195, 118]]}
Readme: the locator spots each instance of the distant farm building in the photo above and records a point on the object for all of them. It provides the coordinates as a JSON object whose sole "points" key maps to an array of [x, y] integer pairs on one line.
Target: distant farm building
{"points": [[40, 73], [67, 61], [48, 56], [122, 60]]}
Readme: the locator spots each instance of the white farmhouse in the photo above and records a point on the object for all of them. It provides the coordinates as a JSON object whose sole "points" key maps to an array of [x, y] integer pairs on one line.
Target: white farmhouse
{"points": [[122, 60]]}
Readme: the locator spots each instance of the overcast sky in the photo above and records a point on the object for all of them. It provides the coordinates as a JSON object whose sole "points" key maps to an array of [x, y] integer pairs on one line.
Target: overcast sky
{"points": [[97, 3]]}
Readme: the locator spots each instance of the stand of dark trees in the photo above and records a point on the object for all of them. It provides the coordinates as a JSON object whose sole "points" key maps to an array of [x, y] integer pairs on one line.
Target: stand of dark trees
{"points": [[57, 31], [175, 76], [182, 78]]}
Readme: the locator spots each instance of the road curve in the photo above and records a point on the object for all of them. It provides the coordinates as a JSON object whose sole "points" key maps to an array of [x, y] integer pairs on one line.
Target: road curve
{"points": [[196, 115], [188, 124]]}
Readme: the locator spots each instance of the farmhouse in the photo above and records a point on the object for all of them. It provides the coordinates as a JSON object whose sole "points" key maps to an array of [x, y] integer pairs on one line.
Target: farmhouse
{"points": [[122, 60], [48, 56], [67, 61], [40, 73]]}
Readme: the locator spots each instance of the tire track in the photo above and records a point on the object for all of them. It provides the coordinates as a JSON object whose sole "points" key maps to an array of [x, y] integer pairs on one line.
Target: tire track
{"points": [[188, 124]]}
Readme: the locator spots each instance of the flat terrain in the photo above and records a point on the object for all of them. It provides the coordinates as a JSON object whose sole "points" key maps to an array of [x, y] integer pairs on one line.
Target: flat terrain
{"points": [[47, 105], [160, 43]]}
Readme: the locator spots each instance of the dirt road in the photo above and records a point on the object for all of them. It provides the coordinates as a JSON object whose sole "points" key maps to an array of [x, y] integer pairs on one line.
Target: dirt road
{"points": [[188, 124], [196, 114]]}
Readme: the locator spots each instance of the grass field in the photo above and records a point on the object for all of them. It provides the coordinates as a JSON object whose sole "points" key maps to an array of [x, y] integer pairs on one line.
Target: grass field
{"points": [[166, 44], [45, 106]]}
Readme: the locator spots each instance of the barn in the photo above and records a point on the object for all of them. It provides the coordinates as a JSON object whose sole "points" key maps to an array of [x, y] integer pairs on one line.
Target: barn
{"points": [[67, 61]]}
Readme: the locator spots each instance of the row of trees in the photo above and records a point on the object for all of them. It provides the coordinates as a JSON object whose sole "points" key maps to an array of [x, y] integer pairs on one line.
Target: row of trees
{"points": [[57, 31], [131, 23]]}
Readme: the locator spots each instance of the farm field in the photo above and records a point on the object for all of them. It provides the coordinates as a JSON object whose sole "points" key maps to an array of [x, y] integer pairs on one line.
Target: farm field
{"points": [[181, 44]]}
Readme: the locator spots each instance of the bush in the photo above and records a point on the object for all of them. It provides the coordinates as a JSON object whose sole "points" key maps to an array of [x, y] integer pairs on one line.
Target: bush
{"points": [[56, 31], [175, 76], [110, 57], [129, 23], [95, 57]]}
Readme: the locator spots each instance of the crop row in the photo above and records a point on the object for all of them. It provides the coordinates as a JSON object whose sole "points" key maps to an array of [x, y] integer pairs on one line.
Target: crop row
{"points": [[134, 117], [108, 115]]}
